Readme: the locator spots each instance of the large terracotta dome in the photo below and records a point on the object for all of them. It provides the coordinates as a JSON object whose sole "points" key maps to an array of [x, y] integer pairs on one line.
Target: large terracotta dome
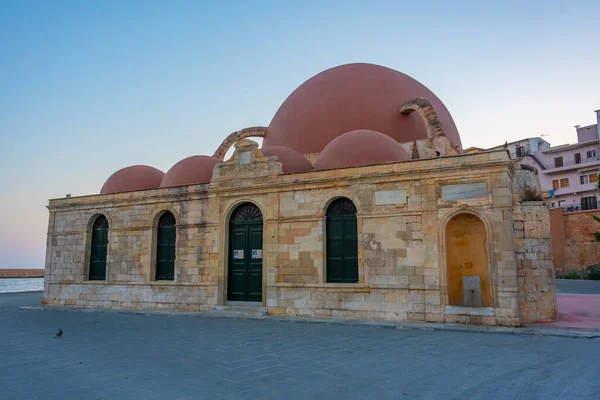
{"points": [[291, 161], [190, 171], [360, 147], [352, 97], [136, 177]]}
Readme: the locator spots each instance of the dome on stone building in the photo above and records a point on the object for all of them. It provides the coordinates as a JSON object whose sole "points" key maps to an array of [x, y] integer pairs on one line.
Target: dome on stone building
{"points": [[136, 177], [351, 97], [360, 147], [190, 171], [291, 161]]}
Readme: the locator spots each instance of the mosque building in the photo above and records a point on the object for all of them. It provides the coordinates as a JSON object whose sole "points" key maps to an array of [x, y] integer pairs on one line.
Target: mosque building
{"points": [[361, 203]]}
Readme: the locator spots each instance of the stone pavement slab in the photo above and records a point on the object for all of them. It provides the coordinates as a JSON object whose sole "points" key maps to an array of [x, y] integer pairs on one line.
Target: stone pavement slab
{"points": [[575, 311], [114, 355], [540, 329]]}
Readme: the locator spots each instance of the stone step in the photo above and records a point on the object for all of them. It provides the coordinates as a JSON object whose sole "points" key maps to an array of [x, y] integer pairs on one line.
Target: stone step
{"points": [[240, 311]]}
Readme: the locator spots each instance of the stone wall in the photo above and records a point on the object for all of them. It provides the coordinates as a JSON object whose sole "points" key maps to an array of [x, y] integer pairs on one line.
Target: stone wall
{"points": [[403, 209], [537, 289], [21, 273], [132, 221], [575, 242]]}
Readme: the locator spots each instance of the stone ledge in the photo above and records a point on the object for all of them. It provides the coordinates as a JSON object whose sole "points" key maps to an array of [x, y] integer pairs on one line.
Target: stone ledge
{"points": [[477, 311], [329, 287], [111, 283], [404, 286]]}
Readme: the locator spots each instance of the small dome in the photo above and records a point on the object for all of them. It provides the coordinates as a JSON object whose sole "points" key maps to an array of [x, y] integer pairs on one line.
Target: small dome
{"points": [[190, 171], [360, 147], [291, 161], [351, 97], [136, 177]]}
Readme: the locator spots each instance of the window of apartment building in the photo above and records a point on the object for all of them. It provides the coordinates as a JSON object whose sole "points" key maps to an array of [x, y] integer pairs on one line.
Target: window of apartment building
{"points": [[583, 179], [589, 203], [520, 151], [577, 158], [564, 182], [555, 184], [558, 162], [591, 154], [593, 177]]}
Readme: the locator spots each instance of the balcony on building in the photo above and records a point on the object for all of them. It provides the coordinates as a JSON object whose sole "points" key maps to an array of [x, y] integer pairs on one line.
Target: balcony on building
{"points": [[586, 158]]}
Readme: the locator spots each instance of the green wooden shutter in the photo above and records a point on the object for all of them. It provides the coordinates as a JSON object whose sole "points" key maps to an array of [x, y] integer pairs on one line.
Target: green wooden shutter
{"points": [[98, 255], [341, 242], [342, 249], [165, 253]]}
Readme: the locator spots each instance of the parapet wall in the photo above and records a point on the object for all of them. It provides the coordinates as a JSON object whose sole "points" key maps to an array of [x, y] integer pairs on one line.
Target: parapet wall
{"points": [[574, 244], [537, 289]]}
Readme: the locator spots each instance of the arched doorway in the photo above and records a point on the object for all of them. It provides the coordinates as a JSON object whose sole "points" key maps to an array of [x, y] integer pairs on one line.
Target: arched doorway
{"points": [[99, 249], [342, 242], [467, 262], [244, 277], [165, 247]]}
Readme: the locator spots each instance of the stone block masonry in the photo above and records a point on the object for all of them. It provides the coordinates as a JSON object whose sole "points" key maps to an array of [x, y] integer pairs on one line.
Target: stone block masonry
{"points": [[402, 271], [574, 243]]}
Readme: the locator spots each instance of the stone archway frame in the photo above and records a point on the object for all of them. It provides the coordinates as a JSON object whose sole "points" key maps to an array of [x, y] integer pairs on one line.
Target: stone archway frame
{"points": [[228, 210], [255, 131], [87, 240], [432, 123], [363, 270], [443, 262], [427, 113], [158, 213]]}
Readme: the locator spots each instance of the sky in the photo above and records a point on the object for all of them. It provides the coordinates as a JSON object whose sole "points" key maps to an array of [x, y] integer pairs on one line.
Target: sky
{"points": [[87, 88]]}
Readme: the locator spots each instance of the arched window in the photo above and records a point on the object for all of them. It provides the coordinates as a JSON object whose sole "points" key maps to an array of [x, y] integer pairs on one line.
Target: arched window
{"points": [[165, 252], [342, 242], [98, 249]]}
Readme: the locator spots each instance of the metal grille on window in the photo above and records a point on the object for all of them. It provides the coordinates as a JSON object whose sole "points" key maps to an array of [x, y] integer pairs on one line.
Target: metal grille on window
{"points": [[167, 219], [100, 224], [341, 206], [247, 212]]}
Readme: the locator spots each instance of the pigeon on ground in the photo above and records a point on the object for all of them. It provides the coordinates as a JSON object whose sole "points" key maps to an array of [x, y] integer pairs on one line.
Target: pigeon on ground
{"points": [[59, 333]]}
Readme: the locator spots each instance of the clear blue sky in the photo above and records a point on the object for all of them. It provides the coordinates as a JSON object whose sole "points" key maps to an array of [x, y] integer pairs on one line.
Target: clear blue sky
{"points": [[88, 87]]}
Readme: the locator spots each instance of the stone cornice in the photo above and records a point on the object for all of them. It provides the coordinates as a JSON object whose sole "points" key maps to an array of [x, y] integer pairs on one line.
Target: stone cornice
{"points": [[375, 174]]}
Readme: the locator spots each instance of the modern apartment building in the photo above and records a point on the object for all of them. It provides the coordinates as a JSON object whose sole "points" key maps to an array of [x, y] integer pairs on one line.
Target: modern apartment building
{"points": [[569, 173], [523, 147]]}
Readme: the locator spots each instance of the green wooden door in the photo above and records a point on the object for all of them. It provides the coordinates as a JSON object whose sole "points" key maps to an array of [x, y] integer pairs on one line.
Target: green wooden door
{"points": [[98, 250], [342, 242], [165, 253], [255, 265], [244, 281]]}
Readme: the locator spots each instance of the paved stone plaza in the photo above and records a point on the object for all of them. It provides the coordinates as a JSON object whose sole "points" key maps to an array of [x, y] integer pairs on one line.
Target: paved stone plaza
{"points": [[114, 355]]}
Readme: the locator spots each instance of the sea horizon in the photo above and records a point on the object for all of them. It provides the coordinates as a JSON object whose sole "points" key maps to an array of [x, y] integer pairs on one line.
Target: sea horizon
{"points": [[19, 285]]}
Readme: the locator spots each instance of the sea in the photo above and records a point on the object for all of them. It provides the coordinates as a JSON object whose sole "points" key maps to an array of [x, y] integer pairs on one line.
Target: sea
{"points": [[14, 285]]}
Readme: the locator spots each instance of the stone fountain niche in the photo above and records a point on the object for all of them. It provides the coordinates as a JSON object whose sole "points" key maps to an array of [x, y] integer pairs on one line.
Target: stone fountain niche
{"points": [[468, 266]]}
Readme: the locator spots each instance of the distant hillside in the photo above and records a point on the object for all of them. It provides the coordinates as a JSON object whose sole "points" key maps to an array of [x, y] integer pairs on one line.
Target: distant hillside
{"points": [[21, 273]]}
